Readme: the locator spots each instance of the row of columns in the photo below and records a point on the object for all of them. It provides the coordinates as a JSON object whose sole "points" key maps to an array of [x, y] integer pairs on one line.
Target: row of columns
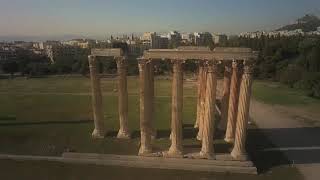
{"points": [[97, 106], [235, 105], [206, 117]]}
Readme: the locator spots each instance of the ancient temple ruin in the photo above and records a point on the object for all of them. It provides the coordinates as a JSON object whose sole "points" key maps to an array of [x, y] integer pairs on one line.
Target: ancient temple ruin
{"points": [[237, 64]]}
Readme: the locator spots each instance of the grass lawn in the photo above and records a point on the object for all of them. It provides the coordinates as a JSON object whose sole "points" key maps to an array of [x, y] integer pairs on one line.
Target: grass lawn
{"points": [[276, 93], [47, 116]]}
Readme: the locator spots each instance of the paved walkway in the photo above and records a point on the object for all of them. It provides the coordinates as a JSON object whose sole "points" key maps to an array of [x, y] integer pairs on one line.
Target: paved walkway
{"points": [[299, 141]]}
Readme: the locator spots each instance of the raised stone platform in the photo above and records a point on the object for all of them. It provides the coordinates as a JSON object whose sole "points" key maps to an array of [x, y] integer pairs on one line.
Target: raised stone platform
{"points": [[223, 162]]}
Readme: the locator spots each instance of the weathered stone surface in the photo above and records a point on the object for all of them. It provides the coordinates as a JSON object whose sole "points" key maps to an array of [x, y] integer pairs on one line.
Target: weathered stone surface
{"points": [[99, 131], [202, 54], [199, 93], [114, 52], [151, 98], [202, 101], [145, 126], [175, 149], [122, 98], [221, 165], [225, 97], [233, 102], [207, 150], [239, 150]]}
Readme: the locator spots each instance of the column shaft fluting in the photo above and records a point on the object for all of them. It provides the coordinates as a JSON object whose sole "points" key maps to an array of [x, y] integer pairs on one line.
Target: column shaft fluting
{"points": [[199, 95], [207, 150], [233, 103], [225, 97], [145, 130], [99, 129], [151, 98], [239, 151], [176, 149], [122, 98], [202, 101]]}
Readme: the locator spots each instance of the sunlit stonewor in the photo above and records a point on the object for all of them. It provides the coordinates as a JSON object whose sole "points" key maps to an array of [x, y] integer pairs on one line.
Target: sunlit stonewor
{"points": [[117, 54], [233, 102], [234, 115], [99, 130]]}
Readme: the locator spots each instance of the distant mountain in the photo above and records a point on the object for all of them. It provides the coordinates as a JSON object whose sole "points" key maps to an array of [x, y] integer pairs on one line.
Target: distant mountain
{"points": [[40, 38], [307, 23]]}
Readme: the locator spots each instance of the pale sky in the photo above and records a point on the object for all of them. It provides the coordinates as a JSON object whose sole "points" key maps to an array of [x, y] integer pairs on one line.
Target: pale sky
{"points": [[97, 18]]}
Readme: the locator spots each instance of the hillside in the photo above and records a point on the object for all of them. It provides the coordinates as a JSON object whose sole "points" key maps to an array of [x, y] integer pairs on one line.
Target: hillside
{"points": [[307, 23]]}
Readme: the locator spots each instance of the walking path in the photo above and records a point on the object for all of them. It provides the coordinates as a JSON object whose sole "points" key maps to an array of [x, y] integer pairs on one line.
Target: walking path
{"points": [[299, 141]]}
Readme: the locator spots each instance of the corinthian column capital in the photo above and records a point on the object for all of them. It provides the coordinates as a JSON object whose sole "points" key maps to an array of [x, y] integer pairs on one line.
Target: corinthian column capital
{"points": [[92, 61], [248, 67], [227, 68], [177, 65], [141, 64], [212, 66], [236, 64], [121, 62]]}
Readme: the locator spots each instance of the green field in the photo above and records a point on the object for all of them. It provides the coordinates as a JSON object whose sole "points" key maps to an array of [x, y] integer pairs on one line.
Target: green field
{"points": [[47, 116], [276, 93]]}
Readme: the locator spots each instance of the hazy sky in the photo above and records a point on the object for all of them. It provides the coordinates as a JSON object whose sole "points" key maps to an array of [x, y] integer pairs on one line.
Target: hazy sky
{"points": [[100, 17]]}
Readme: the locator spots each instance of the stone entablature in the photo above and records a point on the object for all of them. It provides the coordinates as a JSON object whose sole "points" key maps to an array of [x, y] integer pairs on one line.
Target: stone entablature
{"points": [[121, 60], [114, 52], [202, 54]]}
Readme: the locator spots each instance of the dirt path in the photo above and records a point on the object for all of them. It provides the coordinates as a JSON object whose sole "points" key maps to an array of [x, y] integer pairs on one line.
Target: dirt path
{"points": [[292, 133]]}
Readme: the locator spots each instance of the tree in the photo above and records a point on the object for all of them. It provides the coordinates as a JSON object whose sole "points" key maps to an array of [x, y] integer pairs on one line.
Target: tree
{"points": [[9, 66]]}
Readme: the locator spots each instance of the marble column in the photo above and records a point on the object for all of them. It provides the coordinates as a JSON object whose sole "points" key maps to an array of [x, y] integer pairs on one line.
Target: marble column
{"points": [[145, 130], [99, 129], [233, 103], [199, 86], [202, 101], [122, 98], [176, 149], [151, 98], [225, 97], [239, 149], [207, 150]]}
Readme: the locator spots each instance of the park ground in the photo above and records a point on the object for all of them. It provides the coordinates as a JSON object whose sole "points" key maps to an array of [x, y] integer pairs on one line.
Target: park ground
{"points": [[52, 115]]}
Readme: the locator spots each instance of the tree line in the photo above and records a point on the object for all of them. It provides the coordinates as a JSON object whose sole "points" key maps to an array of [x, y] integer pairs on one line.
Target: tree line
{"points": [[293, 60]]}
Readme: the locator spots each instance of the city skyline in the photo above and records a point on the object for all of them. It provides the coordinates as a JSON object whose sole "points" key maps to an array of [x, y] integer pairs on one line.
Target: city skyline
{"points": [[33, 19]]}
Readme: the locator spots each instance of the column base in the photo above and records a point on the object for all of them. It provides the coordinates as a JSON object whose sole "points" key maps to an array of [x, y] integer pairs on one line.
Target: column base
{"points": [[229, 140], [239, 156], [97, 134], [196, 125], [199, 137], [145, 151], [172, 154], [123, 134], [203, 155]]}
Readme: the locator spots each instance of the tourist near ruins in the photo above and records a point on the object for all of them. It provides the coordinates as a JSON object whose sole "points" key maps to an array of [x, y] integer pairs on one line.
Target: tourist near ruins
{"points": [[237, 64]]}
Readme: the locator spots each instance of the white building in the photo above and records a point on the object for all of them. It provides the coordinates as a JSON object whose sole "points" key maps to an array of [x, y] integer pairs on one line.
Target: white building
{"points": [[186, 37], [82, 43], [202, 38], [220, 38], [155, 41]]}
